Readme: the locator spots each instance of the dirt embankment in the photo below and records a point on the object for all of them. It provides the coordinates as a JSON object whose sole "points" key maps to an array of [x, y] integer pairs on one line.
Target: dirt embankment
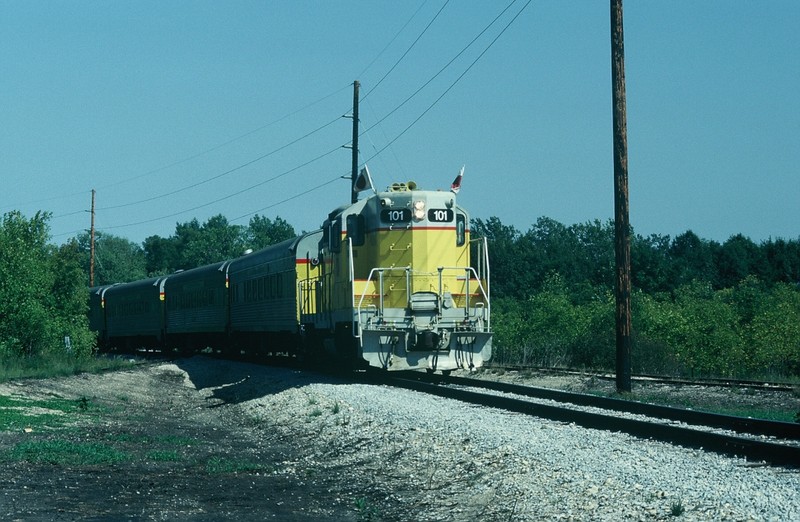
{"points": [[165, 441]]}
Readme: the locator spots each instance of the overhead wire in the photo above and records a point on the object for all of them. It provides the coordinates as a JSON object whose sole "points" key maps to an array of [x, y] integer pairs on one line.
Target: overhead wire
{"points": [[435, 102], [182, 189], [237, 193], [392, 68], [330, 181], [186, 159], [232, 140], [471, 65], [462, 51], [392, 40], [225, 173]]}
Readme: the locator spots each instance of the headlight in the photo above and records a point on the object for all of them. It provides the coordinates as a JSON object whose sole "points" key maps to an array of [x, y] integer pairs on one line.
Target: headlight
{"points": [[419, 210]]}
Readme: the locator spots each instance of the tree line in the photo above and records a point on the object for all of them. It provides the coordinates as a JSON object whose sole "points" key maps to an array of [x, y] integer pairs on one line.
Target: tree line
{"points": [[699, 306], [191, 245], [44, 288]]}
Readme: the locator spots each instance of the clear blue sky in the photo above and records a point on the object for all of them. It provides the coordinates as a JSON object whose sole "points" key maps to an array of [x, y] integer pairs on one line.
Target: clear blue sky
{"points": [[182, 109]]}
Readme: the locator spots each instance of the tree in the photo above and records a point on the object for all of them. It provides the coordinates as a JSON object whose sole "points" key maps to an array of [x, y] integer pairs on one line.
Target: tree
{"points": [[262, 232], [217, 240], [737, 258], [117, 259], [508, 280], [42, 291], [161, 255], [194, 245], [650, 263], [692, 259], [782, 260]]}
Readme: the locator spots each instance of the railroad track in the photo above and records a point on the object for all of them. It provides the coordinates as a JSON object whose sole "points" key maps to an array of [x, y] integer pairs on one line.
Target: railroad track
{"points": [[656, 427], [782, 449], [660, 379]]}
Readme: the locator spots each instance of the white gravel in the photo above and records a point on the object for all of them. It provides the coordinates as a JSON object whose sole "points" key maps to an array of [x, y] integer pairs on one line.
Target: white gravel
{"points": [[407, 456], [437, 459]]}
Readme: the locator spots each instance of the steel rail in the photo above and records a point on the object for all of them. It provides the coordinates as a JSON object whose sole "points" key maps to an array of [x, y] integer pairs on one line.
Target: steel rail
{"points": [[752, 449], [783, 430], [660, 379]]}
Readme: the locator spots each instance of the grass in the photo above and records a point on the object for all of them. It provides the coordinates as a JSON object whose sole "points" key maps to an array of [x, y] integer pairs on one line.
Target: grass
{"points": [[19, 413], [677, 509], [164, 456], [66, 453], [12, 368], [756, 412]]}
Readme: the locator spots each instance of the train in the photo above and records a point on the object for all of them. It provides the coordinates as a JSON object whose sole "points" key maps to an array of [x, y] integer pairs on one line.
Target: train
{"points": [[393, 281]]}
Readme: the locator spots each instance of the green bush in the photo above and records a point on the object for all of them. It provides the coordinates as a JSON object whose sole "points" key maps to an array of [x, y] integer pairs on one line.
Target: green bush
{"points": [[751, 330], [43, 293]]}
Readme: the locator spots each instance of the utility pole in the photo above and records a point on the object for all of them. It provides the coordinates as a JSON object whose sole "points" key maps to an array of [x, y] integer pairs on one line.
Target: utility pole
{"points": [[354, 173], [91, 247], [622, 239]]}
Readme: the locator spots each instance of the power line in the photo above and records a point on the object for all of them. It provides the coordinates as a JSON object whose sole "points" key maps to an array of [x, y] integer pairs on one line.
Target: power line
{"points": [[462, 51], [392, 68], [184, 160], [337, 178], [229, 195], [436, 101], [232, 140], [239, 167], [392, 41]]}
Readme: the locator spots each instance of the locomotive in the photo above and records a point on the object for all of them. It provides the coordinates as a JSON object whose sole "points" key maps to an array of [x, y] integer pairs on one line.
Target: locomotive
{"points": [[393, 281]]}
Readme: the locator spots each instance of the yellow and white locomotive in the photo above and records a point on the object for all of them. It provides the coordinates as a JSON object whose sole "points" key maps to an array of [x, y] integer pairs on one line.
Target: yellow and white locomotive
{"points": [[394, 283], [387, 282]]}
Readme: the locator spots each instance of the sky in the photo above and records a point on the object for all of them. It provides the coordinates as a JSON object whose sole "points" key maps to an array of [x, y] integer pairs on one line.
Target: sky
{"points": [[175, 110]]}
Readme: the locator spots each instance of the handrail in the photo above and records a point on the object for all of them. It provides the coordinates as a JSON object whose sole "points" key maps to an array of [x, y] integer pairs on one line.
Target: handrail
{"points": [[357, 318], [468, 271]]}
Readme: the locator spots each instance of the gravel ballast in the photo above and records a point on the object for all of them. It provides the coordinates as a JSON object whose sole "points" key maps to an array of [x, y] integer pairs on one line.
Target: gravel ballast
{"points": [[380, 453]]}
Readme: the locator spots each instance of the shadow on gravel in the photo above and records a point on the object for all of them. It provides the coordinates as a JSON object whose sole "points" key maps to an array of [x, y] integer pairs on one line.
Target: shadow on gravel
{"points": [[237, 382]]}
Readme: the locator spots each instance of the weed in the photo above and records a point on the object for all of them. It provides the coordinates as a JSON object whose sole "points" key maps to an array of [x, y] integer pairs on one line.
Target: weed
{"points": [[677, 508], [129, 437], [316, 412], [83, 404], [366, 511], [336, 408]]}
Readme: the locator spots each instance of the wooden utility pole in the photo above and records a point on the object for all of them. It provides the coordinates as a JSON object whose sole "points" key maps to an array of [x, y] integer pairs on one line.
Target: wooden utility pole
{"points": [[622, 235], [354, 174], [91, 247]]}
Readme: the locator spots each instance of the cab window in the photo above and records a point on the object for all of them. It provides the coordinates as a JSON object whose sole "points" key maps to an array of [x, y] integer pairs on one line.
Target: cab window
{"points": [[355, 229], [336, 236], [461, 229]]}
